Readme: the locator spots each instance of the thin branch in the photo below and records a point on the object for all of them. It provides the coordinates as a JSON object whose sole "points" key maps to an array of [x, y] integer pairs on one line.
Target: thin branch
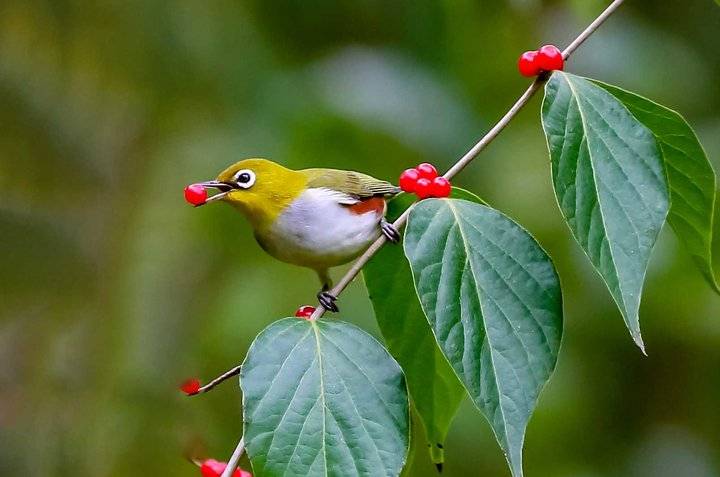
{"points": [[471, 154], [226, 375], [235, 459], [504, 121], [591, 28], [459, 165]]}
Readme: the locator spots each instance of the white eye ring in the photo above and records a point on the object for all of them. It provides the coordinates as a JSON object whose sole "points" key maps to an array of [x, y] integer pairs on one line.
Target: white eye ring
{"points": [[244, 178]]}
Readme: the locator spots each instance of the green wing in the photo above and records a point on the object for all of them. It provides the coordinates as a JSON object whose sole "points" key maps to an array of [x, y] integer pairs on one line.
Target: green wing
{"points": [[350, 182]]}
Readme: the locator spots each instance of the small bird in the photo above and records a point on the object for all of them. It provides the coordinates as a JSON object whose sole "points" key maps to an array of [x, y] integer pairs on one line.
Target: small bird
{"points": [[315, 218]]}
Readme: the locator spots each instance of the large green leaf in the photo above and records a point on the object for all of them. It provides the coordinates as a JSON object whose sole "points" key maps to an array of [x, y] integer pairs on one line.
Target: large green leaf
{"points": [[323, 398], [435, 390], [691, 178], [493, 300], [610, 184]]}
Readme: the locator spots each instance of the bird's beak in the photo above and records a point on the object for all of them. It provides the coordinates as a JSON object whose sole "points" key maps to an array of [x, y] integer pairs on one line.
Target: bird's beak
{"points": [[223, 187]]}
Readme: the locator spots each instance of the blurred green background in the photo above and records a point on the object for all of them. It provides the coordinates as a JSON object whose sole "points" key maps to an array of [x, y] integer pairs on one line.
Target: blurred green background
{"points": [[113, 290]]}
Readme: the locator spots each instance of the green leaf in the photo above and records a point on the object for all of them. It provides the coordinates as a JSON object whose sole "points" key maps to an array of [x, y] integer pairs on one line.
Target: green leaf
{"points": [[435, 390], [690, 176], [609, 182], [493, 300], [323, 398]]}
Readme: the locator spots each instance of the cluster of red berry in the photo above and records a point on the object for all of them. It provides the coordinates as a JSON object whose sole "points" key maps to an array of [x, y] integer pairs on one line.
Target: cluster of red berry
{"points": [[547, 58], [195, 194], [214, 468], [424, 182]]}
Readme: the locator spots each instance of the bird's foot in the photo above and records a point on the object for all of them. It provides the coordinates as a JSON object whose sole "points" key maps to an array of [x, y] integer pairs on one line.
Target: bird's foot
{"points": [[389, 231], [327, 300]]}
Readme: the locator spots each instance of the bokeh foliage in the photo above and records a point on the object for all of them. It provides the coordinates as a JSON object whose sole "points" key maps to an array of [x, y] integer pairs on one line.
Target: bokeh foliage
{"points": [[112, 290]]}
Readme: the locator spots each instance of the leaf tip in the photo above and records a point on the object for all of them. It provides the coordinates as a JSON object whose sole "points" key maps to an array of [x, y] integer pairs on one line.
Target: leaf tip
{"points": [[637, 338]]}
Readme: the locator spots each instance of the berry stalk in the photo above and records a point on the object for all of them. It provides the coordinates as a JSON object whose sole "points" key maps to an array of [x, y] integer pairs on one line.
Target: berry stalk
{"points": [[192, 387]]}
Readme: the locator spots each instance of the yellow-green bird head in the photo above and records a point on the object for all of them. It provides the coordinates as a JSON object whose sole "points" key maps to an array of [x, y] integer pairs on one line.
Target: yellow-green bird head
{"points": [[259, 188]]}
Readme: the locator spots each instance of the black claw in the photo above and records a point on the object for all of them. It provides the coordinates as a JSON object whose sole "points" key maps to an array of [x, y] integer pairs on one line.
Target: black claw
{"points": [[327, 300], [390, 232]]}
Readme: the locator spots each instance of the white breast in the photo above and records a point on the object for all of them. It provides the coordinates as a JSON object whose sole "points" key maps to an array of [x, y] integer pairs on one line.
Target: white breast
{"points": [[319, 231]]}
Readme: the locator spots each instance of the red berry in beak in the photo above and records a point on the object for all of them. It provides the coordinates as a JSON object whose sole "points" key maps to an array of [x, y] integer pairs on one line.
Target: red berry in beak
{"points": [[549, 58], [408, 179], [527, 64], [427, 171], [440, 187], [422, 188], [191, 386], [305, 311], [195, 194]]}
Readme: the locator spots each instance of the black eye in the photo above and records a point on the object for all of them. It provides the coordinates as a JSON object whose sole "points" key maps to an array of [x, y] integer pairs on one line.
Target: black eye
{"points": [[244, 178]]}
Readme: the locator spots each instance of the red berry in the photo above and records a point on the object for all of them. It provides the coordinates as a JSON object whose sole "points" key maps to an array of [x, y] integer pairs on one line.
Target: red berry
{"points": [[427, 171], [528, 64], [549, 58], [422, 188], [440, 187], [214, 468], [190, 386], [408, 179], [195, 194], [305, 311]]}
